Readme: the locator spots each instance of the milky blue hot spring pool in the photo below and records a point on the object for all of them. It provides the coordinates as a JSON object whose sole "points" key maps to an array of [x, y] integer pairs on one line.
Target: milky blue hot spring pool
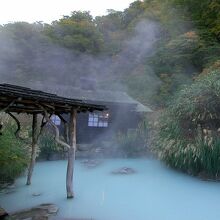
{"points": [[155, 192]]}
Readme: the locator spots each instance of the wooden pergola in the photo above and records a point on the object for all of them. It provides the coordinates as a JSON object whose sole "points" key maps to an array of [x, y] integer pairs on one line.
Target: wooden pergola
{"points": [[17, 99]]}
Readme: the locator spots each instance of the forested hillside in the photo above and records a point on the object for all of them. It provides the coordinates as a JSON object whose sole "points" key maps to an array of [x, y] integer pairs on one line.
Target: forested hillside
{"points": [[149, 50], [164, 53]]}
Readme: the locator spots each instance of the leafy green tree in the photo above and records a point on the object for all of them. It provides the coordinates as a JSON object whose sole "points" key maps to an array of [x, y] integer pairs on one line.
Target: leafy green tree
{"points": [[21, 44], [112, 29], [205, 14], [77, 32]]}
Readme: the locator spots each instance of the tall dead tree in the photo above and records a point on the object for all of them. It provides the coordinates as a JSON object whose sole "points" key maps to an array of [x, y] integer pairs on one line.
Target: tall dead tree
{"points": [[71, 154], [71, 146], [33, 149]]}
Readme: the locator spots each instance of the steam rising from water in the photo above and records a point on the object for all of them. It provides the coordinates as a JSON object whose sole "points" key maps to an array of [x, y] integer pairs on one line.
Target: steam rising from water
{"points": [[41, 62]]}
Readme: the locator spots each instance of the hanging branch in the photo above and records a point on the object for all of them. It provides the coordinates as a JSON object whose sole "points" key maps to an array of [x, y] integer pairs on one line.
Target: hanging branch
{"points": [[66, 131], [62, 118], [66, 128], [16, 120], [17, 132], [1, 125], [43, 123], [57, 132]]}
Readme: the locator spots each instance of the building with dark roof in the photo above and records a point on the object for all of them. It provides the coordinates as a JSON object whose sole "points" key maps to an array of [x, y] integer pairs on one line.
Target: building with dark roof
{"points": [[124, 113]]}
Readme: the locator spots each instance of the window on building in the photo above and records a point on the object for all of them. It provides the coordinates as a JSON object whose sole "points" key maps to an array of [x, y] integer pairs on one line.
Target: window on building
{"points": [[56, 120], [99, 119]]}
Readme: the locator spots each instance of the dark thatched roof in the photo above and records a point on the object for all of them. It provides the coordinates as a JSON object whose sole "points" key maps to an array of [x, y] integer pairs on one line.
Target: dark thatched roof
{"points": [[94, 96], [24, 100]]}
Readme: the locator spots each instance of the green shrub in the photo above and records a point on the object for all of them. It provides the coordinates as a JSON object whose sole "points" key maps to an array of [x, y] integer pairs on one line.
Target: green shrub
{"points": [[189, 130], [48, 145], [13, 155], [133, 142]]}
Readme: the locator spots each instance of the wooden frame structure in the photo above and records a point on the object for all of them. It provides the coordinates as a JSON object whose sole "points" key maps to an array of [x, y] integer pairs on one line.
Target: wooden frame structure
{"points": [[17, 99]]}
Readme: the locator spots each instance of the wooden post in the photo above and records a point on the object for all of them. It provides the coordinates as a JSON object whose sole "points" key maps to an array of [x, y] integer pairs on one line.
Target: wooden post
{"points": [[33, 149], [71, 154]]}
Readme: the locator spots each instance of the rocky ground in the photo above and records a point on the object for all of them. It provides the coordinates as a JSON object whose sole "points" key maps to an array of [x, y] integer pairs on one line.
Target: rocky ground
{"points": [[124, 171], [40, 212]]}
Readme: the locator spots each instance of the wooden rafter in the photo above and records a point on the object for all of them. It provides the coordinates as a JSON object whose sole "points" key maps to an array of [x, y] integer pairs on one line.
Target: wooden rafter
{"points": [[23, 100]]}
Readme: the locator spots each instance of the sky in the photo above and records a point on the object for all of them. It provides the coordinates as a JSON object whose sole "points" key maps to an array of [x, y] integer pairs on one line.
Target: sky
{"points": [[50, 10]]}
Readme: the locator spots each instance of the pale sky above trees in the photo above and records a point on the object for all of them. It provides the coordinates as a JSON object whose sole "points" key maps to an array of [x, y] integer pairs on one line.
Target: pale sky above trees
{"points": [[49, 10]]}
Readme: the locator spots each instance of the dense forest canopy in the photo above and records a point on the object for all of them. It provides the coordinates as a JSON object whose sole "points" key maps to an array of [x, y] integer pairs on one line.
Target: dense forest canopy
{"points": [[149, 50]]}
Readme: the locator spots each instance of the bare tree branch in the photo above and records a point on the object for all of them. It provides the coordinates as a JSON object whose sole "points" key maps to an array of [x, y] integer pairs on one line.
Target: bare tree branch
{"points": [[43, 123], [57, 132], [66, 128], [1, 125], [62, 118], [18, 126], [66, 132], [17, 132]]}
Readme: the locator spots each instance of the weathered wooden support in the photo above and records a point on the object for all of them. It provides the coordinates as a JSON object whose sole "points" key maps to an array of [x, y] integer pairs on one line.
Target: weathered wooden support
{"points": [[71, 154], [33, 149]]}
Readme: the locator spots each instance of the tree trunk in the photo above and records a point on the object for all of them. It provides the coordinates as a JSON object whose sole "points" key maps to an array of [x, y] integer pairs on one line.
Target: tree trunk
{"points": [[71, 155], [33, 149]]}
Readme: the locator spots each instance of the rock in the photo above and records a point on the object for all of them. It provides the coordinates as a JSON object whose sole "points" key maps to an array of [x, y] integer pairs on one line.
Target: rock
{"points": [[91, 163], [36, 194], [84, 147], [12, 186], [98, 150], [124, 171], [7, 189], [206, 177], [3, 213], [72, 218], [41, 212], [10, 191]]}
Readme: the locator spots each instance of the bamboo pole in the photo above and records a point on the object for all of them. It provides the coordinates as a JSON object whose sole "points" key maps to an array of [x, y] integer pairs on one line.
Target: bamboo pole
{"points": [[71, 154]]}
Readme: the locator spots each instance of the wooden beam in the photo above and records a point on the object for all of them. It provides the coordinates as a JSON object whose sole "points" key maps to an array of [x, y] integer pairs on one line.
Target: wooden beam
{"points": [[71, 154]]}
